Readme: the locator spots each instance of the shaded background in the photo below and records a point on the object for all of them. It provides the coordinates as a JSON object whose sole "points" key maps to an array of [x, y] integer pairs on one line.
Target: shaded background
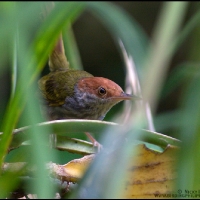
{"points": [[100, 56]]}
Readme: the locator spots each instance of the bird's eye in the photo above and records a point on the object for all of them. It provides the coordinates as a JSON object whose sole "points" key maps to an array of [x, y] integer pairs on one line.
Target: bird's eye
{"points": [[102, 91]]}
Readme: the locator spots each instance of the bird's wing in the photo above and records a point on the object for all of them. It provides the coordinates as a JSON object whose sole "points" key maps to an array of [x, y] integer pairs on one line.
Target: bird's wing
{"points": [[56, 86]]}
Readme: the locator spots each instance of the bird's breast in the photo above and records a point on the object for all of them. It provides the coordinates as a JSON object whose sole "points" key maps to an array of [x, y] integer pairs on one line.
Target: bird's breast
{"points": [[83, 107]]}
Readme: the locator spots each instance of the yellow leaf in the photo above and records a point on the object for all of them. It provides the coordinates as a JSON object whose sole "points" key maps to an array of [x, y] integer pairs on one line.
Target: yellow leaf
{"points": [[76, 168], [150, 173]]}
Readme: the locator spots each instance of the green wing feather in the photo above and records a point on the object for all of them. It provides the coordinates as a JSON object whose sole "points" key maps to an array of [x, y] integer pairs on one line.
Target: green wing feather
{"points": [[56, 86]]}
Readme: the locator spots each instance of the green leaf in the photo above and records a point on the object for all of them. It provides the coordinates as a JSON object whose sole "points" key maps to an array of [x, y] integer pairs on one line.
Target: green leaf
{"points": [[30, 64]]}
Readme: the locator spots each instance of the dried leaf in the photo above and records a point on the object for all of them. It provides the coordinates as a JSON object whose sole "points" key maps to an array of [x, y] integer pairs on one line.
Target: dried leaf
{"points": [[150, 173], [73, 170]]}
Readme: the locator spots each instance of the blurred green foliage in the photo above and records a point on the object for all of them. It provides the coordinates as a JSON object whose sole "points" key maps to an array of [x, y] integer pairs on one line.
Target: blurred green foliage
{"points": [[26, 40]]}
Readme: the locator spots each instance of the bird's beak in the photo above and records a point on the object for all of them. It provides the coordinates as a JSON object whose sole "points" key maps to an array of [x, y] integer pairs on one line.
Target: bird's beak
{"points": [[125, 96]]}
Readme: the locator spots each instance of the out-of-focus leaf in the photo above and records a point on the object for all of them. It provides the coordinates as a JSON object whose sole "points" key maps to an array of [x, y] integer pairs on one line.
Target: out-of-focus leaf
{"points": [[63, 14], [189, 162], [123, 29], [31, 59], [71, 49], [68, 128], [8, 182], [62, 128], [180, 75], [184, 33]]}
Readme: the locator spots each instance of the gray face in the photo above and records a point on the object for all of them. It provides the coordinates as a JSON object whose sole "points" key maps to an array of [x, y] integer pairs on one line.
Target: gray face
{"points": [[82, 106]]}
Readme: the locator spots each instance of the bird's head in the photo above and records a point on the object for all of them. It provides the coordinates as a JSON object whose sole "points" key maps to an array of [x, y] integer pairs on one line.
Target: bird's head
{"points": [[100, 94], [103, 88]]}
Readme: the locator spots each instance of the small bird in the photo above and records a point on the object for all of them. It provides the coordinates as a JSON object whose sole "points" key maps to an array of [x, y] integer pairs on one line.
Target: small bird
{"points": [[76, 94]]}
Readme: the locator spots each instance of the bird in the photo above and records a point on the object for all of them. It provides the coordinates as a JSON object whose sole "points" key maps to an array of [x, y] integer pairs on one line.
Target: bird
{"points": [[76, 94]]}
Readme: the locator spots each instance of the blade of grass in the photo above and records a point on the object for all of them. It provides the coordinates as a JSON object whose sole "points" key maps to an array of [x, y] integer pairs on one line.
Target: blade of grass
{"points": [[29, 71], [160, 52], [189, 163], [124, 28], [71, 48], [184, 33], [42, 48], [99, 183], [62, 14]]}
